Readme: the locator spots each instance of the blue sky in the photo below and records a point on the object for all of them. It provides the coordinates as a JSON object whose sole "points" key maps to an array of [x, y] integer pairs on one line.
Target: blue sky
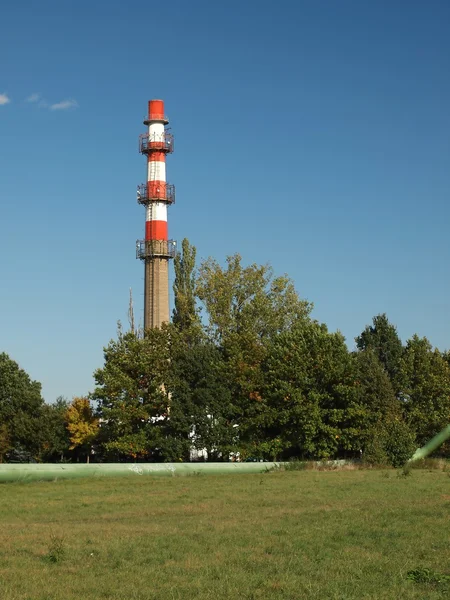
{"points": [[313, 135]]}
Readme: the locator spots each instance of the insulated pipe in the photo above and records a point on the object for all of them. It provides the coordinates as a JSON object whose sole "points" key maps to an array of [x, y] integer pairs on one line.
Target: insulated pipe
{"points": [[52, 472], [434, 443]]}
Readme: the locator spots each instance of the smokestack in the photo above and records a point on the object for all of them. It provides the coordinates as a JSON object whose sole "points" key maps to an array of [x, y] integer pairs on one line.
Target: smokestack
{"points": [[156, 195]]}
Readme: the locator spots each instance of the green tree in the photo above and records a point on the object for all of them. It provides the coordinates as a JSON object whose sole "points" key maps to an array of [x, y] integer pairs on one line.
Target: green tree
{"points": [[426, 391], [185, 313], [386, 436], [201, 413], [82, 425], [375, 388], [20, 408], [55, 436], [247, 300], [382, 338], [309, 403], [5, 441], [133, 393], [246, 307]]}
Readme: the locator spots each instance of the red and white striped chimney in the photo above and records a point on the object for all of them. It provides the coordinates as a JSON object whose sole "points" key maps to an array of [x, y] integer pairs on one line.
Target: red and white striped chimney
{"points": [[156, 213], [156, 195]]}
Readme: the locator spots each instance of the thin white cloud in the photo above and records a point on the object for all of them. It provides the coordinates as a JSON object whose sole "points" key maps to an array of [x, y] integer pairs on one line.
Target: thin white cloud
{"points": [[64, 105], [33, 98], [4, 99], [37, 99]]}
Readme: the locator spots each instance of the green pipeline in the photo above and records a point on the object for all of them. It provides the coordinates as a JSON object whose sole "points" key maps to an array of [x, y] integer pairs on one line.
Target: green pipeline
{"points": [[434, 443], [53, 472]]}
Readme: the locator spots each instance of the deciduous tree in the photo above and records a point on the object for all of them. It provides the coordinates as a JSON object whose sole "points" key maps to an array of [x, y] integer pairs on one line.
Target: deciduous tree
{"points": [[132, 390], [185, 313], [386, 436], [201, 408], [20, 407], [309, 402], [246, 307], [55, 445], [82, 425], [5, 441], [247, 300], [426, 392], [382, 338]]}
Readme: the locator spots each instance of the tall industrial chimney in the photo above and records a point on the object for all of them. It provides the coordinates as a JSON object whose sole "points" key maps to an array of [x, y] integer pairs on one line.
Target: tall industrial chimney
{"points": [[156, 195]]}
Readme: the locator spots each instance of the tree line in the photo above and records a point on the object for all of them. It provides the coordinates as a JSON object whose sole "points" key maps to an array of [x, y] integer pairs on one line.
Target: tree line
{"points": [[243, 372]]}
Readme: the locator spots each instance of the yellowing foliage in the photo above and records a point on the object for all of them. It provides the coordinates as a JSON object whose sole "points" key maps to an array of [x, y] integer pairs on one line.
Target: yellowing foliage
{"points": [[81, 423]]}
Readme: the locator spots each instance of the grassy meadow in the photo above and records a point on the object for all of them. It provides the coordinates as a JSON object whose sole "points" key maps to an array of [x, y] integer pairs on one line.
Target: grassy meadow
{"points": [[337, 535]]}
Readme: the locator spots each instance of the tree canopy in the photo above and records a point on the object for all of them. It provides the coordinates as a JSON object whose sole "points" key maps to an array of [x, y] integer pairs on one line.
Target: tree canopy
{"points": [[21, 407], [243, 372]]}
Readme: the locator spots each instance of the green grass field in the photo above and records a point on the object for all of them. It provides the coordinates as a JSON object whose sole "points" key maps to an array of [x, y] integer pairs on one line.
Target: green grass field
{"points": [[282, 535]]}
